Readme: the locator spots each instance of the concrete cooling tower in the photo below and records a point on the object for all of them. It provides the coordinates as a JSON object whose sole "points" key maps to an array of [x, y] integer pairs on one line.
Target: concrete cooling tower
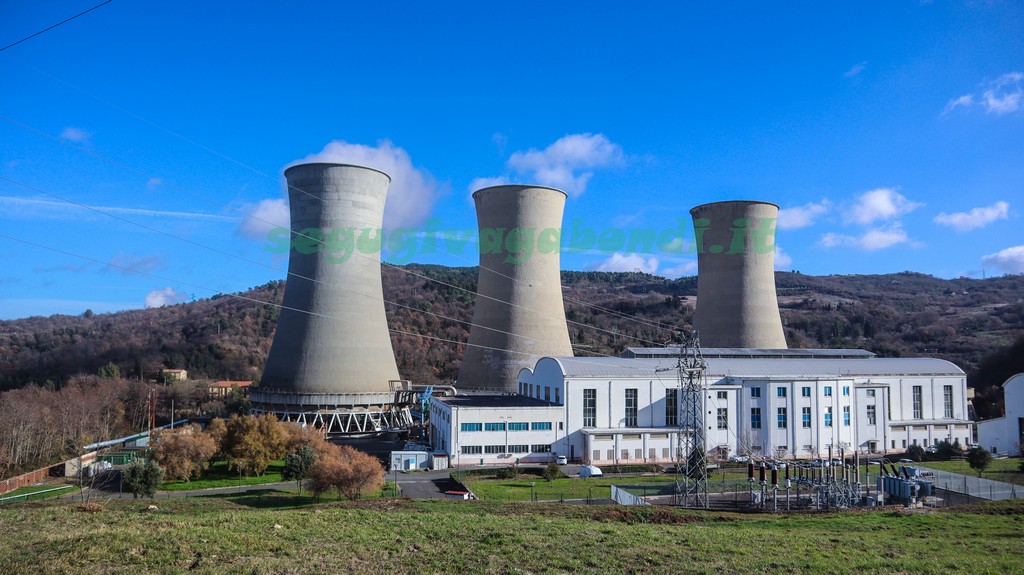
{"points": [[736, 301], [518, 317], [331, 363]]}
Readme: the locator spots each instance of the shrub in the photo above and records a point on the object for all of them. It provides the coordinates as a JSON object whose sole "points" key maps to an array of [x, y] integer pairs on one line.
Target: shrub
{"points": [[979, 459], [507, 472], [632, 468], [142, 478], [915, 452], [553, 471], [183, 452], [348, 470]]}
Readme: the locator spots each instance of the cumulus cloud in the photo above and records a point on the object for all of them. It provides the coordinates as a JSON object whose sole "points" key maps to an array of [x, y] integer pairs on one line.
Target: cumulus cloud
{"points": [[481, 183], [801, 216], [619, 262], [1010, 260], [855, 70], [262, 217], [1000, 96], [413, 191], [76, 135], [128, 263], [871, 240], [162, 297], [567, 164], [687, 268], [783, 261], [882, 204], [976, 218]]}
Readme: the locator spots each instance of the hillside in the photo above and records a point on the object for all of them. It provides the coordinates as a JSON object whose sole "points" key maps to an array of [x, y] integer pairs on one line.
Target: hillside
{"points": [[962, 320], [387, 536]]}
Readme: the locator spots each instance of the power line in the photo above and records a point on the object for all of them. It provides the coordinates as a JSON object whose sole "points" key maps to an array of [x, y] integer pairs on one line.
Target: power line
{"points": [[55, 25]]}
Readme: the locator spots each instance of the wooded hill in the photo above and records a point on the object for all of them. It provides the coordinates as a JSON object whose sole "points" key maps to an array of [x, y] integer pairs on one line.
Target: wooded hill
{"points": [[963, 320]]}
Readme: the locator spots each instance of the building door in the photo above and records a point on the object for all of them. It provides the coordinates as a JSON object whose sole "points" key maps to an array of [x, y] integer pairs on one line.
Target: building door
{"points": [[572, 452]]}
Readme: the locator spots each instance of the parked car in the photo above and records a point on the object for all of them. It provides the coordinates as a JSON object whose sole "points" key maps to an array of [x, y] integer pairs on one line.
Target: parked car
{"points": [[739, 458], [561, 460]]}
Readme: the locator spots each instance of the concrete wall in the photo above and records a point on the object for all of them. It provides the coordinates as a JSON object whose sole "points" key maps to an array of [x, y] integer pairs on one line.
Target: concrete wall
{"points": [[736, 301], [519, 316], [343, 344], [1004, 435]]}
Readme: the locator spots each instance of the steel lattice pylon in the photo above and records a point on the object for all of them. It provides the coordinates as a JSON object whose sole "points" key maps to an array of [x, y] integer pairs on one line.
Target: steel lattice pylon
{"points": [[691, 453]]}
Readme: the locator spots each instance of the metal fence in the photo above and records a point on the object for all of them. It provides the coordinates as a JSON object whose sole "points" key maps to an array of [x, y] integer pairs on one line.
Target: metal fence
{"points": [[974, 486]]}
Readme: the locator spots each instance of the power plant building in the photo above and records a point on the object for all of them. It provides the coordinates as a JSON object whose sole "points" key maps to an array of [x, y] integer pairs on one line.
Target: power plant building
{"points": [[331, 363], [519, 315], [620, 410]]}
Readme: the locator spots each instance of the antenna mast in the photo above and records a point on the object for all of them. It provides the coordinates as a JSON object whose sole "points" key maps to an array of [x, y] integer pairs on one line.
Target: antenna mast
{"points": [[691, 454]]}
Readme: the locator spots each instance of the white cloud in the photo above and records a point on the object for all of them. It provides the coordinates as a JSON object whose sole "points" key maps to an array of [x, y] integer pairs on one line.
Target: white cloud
{"points": [[801, 216], [976, 218], [165, 296], [412, 193], [129, 263], [262, 217], [1000, 96], [687, 268], [568, 163], [855, 70], [1010, 260], [871, 240], [481, 183], [619, 262], [153, 184], [77, 135], [783, 261], [880, 204]]}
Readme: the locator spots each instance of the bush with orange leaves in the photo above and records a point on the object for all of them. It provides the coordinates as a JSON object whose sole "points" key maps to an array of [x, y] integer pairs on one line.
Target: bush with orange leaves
{"points": [[350, 471], [183, 452]]}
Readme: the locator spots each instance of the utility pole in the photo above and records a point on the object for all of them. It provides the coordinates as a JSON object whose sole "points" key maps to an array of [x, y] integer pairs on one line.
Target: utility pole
{"points": [[691, 453]]}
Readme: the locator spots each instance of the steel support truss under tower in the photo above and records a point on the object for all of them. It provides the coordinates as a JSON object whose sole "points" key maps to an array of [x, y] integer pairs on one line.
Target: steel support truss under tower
{"points": [[691, 450]]}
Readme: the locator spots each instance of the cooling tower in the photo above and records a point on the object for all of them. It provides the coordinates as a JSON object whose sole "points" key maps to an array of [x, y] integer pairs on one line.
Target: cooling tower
{"points": [[518, 316], [331, 361], [736, 301]]}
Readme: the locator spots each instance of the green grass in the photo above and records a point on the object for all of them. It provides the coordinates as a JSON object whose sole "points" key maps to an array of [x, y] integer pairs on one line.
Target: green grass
{"points": [[491, 489], [218, 475], [1007, 470], [28, 491], [396, 537]]}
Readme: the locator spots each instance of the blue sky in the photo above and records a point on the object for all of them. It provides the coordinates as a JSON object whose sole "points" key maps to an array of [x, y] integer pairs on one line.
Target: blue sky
{"points": [[891, 133]]}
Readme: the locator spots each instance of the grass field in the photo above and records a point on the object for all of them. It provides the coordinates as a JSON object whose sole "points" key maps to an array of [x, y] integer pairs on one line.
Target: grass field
{"points": [[490, 489], [1007, 470], [388, 536], [29, 490], [218, 475]]}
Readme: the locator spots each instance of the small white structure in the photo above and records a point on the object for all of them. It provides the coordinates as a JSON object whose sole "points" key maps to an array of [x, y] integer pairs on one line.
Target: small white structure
{"points": [[590, 471], [1004, 435], [410, 460]]}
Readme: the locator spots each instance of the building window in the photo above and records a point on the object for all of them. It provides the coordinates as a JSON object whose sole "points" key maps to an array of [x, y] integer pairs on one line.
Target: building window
{"points": [[828, 417], [805, 392], [540, 426], [493, 426], [846, 390], [918, 403], [630, 408], [541, 448], [846, 415], [755, 418], [782, 417], [723, 395], [871, 415], [518, 448], [947, 401], [518, 426], [547, 394], [780, 392], [806, 415], [558, 395], [589, 407], [492, 449], [530, 391], [828, 391], [471, 427], [755, 392], [723, 418], [472, 450], [871, 393], [672, 407]]}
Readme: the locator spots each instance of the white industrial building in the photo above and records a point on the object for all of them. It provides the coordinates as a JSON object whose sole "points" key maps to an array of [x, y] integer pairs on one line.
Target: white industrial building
{"points": [[767, 403], [1005, 435]]}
